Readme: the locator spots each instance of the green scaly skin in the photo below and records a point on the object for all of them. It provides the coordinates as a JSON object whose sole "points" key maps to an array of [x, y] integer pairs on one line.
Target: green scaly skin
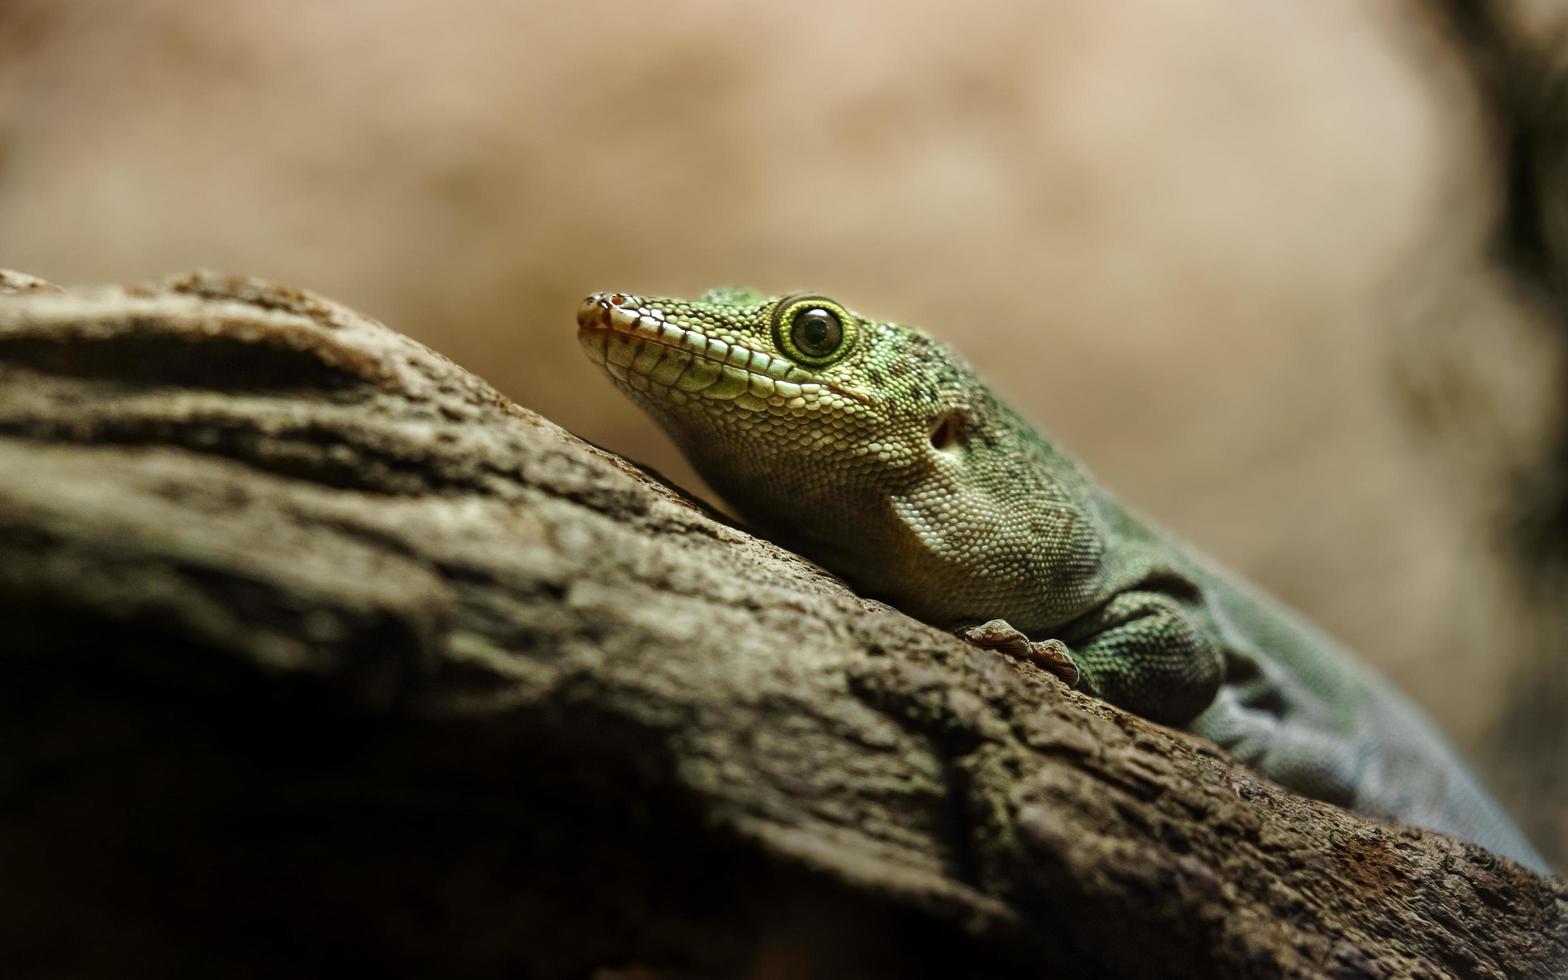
{"points": [[877, 452]]}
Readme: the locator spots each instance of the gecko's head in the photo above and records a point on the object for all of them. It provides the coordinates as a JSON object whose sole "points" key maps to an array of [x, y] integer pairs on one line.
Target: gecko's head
{"points": [[866, 444], [796, 396]]}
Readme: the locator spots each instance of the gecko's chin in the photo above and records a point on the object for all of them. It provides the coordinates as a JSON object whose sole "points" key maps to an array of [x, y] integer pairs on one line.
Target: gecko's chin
{"points": [[592, 341]]}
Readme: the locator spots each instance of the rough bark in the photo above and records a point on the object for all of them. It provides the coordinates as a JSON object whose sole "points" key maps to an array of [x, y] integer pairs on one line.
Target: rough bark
{"points": [[321, 658]]}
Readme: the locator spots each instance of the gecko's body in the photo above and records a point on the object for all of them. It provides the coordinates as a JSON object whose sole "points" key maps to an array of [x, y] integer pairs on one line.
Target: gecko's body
{"points": [[877, 451]]}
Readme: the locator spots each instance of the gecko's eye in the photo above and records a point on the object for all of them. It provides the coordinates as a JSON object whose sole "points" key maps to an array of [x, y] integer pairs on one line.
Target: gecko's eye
{"points": [[816, 331], [812, 329]]}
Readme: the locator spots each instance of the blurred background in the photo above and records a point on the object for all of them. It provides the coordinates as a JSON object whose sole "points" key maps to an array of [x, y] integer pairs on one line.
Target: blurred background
{"points": [[1275, 271]]}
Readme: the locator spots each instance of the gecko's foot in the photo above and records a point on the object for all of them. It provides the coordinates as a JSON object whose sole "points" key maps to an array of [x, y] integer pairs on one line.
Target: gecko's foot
{"points": [[1050, 655]]}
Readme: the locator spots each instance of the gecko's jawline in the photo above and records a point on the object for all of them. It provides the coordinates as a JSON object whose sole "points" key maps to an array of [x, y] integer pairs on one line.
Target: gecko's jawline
{"points": [[737, 371]]}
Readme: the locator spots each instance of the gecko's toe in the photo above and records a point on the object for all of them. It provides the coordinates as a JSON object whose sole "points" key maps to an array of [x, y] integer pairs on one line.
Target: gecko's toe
{"points": [[1048, 655]]}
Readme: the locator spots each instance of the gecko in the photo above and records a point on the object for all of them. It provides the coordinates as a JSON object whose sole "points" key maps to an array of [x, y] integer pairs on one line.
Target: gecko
{"points": [[877, 451]]}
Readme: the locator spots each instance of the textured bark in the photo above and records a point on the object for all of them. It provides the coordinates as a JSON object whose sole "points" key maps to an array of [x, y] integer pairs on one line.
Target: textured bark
{"points": [[321, 658]]}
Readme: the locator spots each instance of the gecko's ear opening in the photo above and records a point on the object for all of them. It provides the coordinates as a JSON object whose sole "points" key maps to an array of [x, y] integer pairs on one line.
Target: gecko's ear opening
{"points": [[947, 437]]}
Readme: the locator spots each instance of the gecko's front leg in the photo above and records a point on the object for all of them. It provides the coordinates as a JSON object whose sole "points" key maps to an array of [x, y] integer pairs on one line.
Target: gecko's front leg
{"points": [[1139, 651]]}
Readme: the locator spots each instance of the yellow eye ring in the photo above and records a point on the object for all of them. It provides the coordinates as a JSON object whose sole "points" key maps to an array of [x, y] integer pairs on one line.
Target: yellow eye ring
{"points": [[813, 330]]}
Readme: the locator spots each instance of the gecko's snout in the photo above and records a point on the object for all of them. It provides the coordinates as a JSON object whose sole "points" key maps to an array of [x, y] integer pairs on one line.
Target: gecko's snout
{"points": [[605, 322], [597, 311]]}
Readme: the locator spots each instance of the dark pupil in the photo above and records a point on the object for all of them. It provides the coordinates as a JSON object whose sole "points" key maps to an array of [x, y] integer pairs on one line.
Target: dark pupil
{"points": [[817, 331]]}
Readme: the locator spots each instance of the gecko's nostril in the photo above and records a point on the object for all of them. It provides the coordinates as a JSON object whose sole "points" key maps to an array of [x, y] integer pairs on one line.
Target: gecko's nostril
{"points": [[590, 310], [602, 309]]}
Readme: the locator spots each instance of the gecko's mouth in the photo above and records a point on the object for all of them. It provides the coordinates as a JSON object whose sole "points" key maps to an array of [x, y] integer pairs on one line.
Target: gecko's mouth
{"points": [[646, 351]]}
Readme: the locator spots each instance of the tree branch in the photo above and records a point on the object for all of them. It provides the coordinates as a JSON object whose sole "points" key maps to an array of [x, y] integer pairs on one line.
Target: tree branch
{"points": [[321, 657]]}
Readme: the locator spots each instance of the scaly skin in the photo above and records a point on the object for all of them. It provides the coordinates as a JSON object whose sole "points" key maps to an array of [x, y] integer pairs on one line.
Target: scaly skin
{"points": [[876, 451]]}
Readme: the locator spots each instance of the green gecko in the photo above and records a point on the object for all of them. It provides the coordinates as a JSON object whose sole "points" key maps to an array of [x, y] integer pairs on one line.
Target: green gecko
{"points": [[877, 451]]}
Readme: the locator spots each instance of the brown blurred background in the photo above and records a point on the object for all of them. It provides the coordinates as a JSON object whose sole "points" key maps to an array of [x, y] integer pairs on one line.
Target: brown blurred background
{"points": [[1242, 259]]}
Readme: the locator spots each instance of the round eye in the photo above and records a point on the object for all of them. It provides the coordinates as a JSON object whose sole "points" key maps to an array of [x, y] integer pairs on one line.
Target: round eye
{"points": [[816, 331], [813, 330]]}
